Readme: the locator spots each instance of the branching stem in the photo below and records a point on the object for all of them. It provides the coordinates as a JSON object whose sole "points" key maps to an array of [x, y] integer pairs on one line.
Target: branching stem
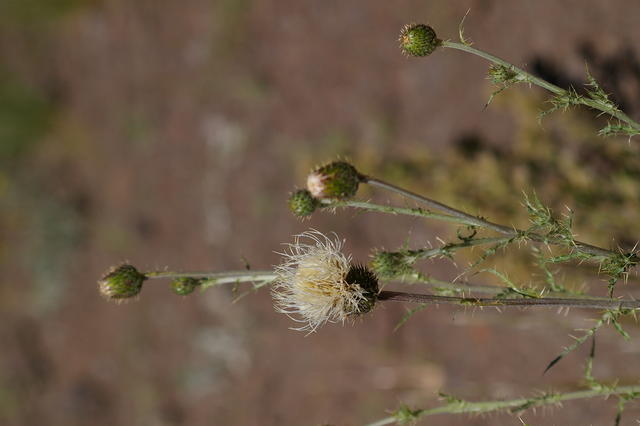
{"points": [[396, 296], [513, 405], [466, 218], [592, 103]]}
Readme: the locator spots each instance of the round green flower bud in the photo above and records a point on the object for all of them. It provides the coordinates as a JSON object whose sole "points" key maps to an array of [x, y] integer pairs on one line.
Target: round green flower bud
{"points": [[121, 282], [302, 203], [368, 281], [337, 180], [418, 40], [185, 285], [390, 264]]}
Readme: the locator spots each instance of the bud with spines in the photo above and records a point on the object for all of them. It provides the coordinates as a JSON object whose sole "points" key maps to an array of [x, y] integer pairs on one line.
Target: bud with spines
{"points": [[302, 203], [121, 282], [418, 40], [391, 264], [184, 286], [337, 180]]}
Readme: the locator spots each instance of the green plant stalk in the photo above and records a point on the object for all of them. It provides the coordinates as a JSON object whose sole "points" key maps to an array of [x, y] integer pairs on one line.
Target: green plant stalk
{"points": [[266, 277], [413, 255], [515, 405], [397, 296], [466, 218], [542, 83], [215, 278], [418, 277]]}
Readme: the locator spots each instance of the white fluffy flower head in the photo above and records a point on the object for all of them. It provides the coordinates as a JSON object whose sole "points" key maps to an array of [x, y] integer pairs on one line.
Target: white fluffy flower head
{"points": [[318, 284]]}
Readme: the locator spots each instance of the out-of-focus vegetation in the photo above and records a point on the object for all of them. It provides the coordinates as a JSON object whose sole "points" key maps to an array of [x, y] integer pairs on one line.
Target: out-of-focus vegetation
{"points": [[561, 159]]}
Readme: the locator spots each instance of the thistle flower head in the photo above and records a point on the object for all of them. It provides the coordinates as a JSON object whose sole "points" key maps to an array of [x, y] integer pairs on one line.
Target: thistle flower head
{"points": [[418, 40], [337, 180], [318, 284], [121, 282], [302, 203]]}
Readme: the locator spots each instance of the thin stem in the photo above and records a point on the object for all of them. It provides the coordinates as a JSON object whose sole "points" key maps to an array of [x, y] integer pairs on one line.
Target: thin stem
{"points": [[516, 405], [215, 278], [477, 221], [396, 296], [542, 83], [447, 249], [418, 277], [266, 277], [365, 205]]}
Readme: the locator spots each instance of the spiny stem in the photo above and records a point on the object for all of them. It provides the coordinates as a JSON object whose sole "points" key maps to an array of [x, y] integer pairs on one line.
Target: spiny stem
{"points": [[469, 219], [515, 405], [413, 255], [542, 83], [396, 296]]}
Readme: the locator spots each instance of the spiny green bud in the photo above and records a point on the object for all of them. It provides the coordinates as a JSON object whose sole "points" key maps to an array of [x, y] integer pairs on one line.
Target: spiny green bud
{"points": [[368, 281], [184, 286], [337, 180], [121, 282], [418, 40], [302, 203], [499, 74], [390, 264]]}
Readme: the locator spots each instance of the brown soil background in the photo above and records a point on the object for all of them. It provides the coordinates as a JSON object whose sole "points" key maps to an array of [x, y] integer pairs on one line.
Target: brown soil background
{"points": [[179, 130]]}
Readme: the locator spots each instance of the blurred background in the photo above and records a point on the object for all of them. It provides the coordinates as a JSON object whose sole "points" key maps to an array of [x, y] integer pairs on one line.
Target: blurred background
{"points": [[170, 133]]}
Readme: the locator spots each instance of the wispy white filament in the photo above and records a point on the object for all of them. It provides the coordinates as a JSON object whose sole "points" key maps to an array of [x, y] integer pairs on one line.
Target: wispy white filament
{"points": [[311, 286]]}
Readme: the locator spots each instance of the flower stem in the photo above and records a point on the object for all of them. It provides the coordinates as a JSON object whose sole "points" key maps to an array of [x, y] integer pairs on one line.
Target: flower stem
{"points": [[514, 405], [396, 296], [215, 278], [542, 83], [469, 219]]}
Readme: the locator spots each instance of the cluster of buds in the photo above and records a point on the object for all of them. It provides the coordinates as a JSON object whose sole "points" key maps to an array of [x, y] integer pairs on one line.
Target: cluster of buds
{"points": [[337, 180], [125, 282]]}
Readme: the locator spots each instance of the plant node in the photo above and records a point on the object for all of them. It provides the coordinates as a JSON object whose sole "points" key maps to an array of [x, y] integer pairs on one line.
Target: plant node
{"points": [[184, 286]]}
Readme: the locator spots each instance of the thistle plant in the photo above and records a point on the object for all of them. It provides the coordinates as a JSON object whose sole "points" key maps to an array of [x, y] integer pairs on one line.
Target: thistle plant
{"points": [[317, 283], [421, 40]]}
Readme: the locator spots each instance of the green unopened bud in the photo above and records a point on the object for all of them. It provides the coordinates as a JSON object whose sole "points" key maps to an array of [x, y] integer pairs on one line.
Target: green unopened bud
{"points": [[302, 203], [121, 282], [390, 264], [184, 286], [368, 281], [499, 74], [418, 40], [337, 180]]}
